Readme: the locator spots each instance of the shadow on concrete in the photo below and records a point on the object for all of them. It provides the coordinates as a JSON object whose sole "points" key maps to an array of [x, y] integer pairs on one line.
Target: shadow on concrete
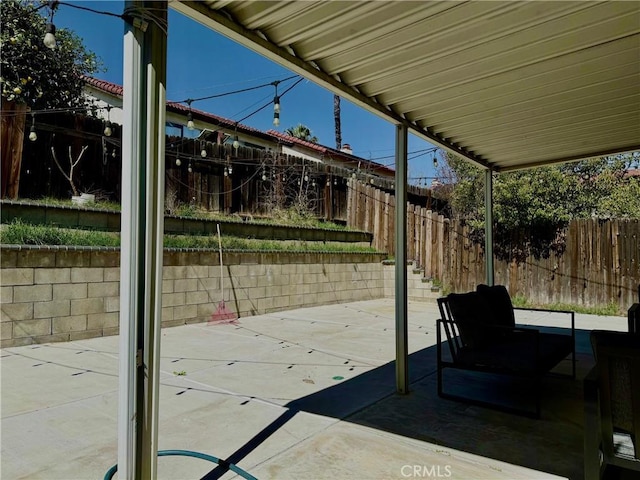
{"points": [[551, 444]]}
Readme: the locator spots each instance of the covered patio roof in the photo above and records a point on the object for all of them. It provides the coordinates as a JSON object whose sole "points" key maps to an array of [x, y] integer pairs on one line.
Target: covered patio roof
{"points": [[507, 85]]}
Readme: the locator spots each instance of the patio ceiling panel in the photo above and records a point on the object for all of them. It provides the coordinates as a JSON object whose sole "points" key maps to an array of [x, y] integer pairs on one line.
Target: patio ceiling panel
{"points": [[512, 50], [511, 106], [552, 75], [505, 84]]}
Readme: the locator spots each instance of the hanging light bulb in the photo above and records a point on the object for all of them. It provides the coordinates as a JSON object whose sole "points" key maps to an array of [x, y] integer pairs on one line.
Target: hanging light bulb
{"points": [[108, 131], [33, 136], [50, 35], [335, 181], [306, 178], [313, 183], [236, 143], [190, 124], [230, 169], [276, 105], [435, 161], [203, 152], [178, 161], [226, 172], [50, 30], [113, 153], [189, 168], [264, 176]]}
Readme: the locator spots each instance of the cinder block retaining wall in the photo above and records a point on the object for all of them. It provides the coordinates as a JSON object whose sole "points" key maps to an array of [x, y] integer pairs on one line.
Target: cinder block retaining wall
{"points": [[52, 294]]}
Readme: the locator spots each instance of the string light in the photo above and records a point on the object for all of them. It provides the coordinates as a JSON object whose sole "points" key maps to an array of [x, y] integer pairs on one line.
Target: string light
{"points": [[33, 136], [108, 131], [50, 36], [203, 151], [190, 124], [236, 143], [276, 105], [50, 31]]}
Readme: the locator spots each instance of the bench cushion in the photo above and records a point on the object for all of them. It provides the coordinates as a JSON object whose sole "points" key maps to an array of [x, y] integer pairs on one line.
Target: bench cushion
{"points": [[519, 353], [499, 302]]}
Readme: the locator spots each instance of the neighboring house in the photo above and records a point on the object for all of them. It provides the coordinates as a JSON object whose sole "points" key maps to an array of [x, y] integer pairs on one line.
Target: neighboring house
{"points": [[105, 94]]}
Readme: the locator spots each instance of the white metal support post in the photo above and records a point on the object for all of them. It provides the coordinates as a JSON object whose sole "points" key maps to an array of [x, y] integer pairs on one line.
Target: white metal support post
{"points": [[143, 148], [402, 350], [488, 225]]}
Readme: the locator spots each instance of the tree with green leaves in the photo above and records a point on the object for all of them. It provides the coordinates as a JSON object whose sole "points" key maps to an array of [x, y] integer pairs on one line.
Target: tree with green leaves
{"points": [[302, 132], [532, 207], [35, 76]]}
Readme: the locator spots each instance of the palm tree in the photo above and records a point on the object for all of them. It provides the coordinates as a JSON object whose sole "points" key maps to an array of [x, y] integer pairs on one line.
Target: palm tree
{"points": [[302, 132], [336, 118]]}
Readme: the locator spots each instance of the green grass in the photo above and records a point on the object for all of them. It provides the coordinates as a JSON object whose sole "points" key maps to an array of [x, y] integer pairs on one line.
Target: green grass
{"points": [[278, 217], [611, 309], [20, 233]]}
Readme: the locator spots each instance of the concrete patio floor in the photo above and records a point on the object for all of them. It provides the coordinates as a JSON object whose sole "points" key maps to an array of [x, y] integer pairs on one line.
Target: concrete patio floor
{"points": [[301, 394]]}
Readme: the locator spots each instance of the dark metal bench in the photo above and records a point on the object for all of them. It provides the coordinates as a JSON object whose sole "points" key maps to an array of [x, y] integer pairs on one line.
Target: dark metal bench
{"points": [[482, 336]]}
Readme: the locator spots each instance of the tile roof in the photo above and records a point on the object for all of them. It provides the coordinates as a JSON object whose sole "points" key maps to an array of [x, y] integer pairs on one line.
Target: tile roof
{"points": [[103, 85], [176, 107], [297, 141], [333, 153]]}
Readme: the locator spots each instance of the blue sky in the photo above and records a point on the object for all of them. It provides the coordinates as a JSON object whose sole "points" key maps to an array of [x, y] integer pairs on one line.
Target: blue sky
{"points": [[202, 62]]}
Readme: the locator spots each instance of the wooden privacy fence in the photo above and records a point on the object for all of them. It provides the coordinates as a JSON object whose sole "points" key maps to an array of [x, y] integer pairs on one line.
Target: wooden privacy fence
{"points": [[598, 266]]}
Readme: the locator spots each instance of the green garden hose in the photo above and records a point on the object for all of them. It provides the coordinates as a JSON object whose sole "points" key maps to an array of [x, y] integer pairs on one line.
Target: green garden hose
{"points": [[188, 453]]}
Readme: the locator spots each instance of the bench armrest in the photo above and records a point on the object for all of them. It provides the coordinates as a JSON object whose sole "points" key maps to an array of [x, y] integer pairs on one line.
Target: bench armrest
{"points": [[568, 312], [543, 310]]}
